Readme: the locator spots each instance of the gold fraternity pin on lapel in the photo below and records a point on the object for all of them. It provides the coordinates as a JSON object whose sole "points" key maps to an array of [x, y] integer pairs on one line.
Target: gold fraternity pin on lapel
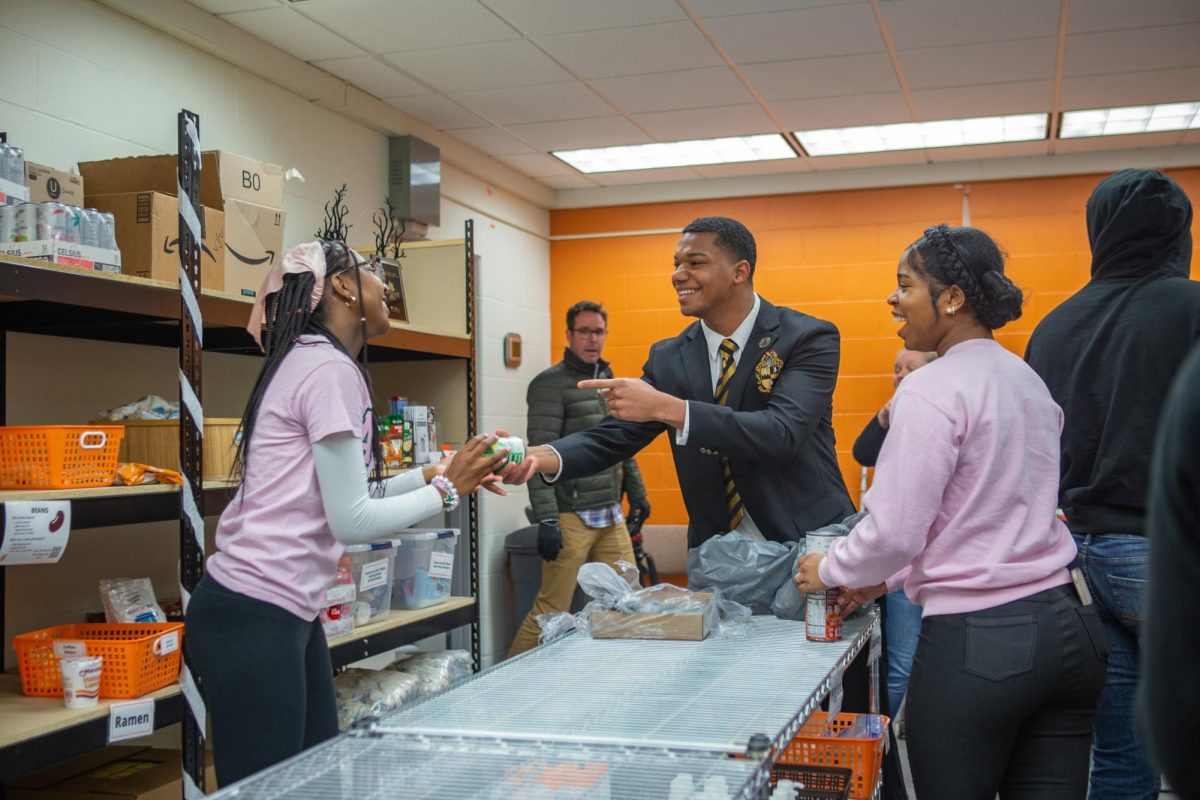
{"points": [[767, 370], [763, 342]]}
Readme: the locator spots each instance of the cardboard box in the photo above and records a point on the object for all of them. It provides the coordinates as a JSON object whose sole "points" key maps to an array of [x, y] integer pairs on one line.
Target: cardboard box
{"points": [[253, 242], [223, 176], [49, 185], [148, 237], [688, 625], [115, 773], [12, 194], [75, 255]]}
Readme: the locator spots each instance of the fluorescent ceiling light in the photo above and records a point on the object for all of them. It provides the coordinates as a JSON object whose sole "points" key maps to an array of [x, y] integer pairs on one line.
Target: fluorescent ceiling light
{"points": [[918, 135], [730, 150], [1130, 119]]}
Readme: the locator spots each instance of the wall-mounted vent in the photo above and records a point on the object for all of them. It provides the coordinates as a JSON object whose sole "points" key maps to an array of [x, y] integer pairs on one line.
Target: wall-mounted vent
{"points": [[415, 182]]}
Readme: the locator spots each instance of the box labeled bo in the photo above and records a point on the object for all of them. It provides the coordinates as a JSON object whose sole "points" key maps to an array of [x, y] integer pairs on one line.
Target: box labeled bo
{"points": [[223, 176], [147, 227]]}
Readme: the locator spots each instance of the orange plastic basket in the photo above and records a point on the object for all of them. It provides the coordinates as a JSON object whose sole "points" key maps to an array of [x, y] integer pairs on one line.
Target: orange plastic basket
{"points": [[138, 658], [819, 744], [58, 456]]}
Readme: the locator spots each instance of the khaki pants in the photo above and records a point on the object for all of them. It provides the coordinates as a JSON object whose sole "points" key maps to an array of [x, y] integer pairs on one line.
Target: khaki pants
{"points": [[581, 544]]}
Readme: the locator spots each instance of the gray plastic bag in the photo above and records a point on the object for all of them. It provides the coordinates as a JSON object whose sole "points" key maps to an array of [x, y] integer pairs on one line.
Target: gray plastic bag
{"points": [[746, 571]]}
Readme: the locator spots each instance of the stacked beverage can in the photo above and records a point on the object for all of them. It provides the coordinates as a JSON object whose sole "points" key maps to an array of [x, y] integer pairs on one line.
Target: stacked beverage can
{"points": [[25, 223], [12, 164], [90, 225], [8, 219], [821, 621], [108, 231], [59, 222]]}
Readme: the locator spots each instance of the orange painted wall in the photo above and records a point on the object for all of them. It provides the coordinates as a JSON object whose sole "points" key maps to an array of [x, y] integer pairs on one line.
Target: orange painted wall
{"points": [[832, 255]]}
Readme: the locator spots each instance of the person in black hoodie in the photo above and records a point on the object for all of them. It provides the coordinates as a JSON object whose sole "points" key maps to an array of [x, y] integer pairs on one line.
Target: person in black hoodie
{"points": [[1108, 355], [1169, 696]]}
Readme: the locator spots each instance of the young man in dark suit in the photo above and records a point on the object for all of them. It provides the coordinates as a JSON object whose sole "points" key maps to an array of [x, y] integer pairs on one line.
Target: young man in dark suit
{"points": [[746, 393]]}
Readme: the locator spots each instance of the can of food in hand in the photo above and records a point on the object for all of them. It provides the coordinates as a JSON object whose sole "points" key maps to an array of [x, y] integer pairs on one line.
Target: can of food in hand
{"points": [[516, 448], [821, 621]]}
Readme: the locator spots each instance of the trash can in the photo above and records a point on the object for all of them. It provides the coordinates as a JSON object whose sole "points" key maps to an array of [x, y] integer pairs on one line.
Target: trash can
{"points": [[526, 566]]}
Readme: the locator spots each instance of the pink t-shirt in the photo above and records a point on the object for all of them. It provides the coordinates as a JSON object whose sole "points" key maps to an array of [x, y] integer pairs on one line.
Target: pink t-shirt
{"points": [[965, 489], [273, 541]]}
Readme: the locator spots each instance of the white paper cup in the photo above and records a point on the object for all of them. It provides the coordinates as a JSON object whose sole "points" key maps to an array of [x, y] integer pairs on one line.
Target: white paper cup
{"points": [[81, 680]]}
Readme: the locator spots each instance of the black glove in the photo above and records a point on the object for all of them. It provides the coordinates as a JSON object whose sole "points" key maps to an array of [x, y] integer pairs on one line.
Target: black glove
{"points": [[549, 539], [639, 512]]}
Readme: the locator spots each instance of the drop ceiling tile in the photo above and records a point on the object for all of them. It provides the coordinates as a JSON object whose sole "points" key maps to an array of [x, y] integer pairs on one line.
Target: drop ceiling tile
{"points": [[1132, 50], [988, 151], [373, 77], [706, 123], [493, 141], [488, 65], [734, 8], [866, 73], [868, 160], [437, 111], [668, 47], [804, 33], [941, 23], [550, 17], [646, 176], [536, 165], [385, 26], [1135, 141], [293, 33], [980, 64], [229, 6], [782, 166], [574, 134], [525, 104], [1132, 89], [1106, 15], [997, 98], [567, 182], [664, 91], [838, 112]]}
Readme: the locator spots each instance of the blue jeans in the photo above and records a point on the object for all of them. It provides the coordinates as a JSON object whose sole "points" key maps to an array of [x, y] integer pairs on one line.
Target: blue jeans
{"points": [[1114, 566], [903, 630]]}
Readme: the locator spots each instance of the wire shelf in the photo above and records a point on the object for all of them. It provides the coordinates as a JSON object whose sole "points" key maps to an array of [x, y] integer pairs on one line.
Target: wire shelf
{"points": [[454, 768], [711, 695]]}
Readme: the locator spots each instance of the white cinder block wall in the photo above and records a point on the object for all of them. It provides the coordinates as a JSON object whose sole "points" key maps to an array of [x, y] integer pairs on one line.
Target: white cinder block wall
{"points": [[83, 82]]}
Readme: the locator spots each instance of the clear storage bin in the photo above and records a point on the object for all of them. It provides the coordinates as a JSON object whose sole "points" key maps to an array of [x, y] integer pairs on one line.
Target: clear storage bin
{"points": [[424, 567], [372, 566]]}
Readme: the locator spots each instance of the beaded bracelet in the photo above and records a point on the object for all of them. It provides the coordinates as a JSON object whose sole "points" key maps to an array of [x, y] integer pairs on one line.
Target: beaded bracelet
{"points": [[443, 485]]}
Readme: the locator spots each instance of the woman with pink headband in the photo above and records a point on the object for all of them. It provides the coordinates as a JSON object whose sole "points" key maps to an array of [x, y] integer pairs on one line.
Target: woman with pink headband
{"points": [[311, 481]]}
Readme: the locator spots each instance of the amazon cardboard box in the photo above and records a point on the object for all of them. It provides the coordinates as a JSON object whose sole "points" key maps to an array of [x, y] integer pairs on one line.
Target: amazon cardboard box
{"points": [[223, 176], [684, 616], [49, 185], [253, 242], [147, 226], [115, 773]]}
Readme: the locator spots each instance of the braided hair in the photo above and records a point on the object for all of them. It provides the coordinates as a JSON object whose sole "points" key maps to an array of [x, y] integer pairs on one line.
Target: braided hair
{"points": [[288, 317], [969, 259]]}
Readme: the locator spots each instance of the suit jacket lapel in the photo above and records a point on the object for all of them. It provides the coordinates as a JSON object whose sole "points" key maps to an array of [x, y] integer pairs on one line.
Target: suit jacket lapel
{"points": [[766, 329], [695, 364]]}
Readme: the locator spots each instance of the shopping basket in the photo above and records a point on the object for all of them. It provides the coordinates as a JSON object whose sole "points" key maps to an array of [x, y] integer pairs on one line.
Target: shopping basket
{"points": [[138, 658], [829, 743], [816, 783], [58, 456]]}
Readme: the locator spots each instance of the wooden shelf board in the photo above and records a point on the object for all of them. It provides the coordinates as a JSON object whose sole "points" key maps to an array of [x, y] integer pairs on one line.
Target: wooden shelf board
{"points": [[401, 618]]}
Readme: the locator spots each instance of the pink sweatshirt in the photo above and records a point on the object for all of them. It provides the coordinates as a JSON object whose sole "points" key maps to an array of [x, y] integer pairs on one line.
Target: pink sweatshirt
{"points": [[962, 509]]}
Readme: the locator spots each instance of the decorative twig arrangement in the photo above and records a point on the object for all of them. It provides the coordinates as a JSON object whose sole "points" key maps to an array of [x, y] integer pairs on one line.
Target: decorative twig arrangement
{"points": [[335, 228], [388, 231]]}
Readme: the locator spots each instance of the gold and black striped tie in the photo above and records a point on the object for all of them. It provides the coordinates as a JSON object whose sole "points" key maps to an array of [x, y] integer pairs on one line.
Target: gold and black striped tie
{"points": [[733, 500]]}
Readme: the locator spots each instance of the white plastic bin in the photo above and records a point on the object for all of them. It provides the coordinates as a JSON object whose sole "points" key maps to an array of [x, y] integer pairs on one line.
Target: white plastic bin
{"points": [[424, 567], [373, 568]]}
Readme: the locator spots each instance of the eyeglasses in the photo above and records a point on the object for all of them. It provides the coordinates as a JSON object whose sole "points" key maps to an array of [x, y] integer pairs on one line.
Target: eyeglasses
{"points": [[599, 333]]}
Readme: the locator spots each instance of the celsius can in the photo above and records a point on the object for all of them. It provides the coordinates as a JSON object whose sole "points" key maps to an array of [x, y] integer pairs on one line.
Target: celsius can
{"points": [[516, 448], [25, 223], [58, 222], [8, 219], [821, 622]]}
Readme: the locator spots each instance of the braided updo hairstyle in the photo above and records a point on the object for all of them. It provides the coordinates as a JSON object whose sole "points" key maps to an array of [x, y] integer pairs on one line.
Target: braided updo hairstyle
{"points": [[969, 259], [288, 317]]}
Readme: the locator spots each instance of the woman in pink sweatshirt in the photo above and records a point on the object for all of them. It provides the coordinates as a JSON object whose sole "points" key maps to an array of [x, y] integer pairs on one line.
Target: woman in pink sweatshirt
{"points": [[1010, 662]]}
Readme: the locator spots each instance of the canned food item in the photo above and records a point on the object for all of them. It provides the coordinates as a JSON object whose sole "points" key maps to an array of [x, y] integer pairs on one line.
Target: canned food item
{"points": [[516, 448], [821, 621]]}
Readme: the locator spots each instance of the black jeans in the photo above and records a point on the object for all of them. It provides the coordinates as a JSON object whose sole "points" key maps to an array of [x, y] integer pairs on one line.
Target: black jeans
{"points": [[1002, 700], [266, 678]]}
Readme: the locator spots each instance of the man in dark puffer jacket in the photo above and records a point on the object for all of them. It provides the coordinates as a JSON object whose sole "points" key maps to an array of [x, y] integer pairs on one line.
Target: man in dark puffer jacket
{"points": [[580, 519]]}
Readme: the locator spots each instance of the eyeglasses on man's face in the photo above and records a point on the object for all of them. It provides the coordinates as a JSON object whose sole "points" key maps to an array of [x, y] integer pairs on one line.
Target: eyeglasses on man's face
{"points": [[586, 333]]}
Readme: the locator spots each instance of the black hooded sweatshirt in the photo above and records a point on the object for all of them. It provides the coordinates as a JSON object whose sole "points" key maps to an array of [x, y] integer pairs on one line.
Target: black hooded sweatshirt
{"points": [[1109, 352]]}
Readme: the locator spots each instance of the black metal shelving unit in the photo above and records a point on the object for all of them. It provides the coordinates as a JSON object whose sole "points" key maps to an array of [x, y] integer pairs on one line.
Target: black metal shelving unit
{"points": [[55, 300]]}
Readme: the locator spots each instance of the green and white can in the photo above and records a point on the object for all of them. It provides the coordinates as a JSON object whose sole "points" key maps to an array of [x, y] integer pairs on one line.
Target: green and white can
{"points": [[516, 448]]}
